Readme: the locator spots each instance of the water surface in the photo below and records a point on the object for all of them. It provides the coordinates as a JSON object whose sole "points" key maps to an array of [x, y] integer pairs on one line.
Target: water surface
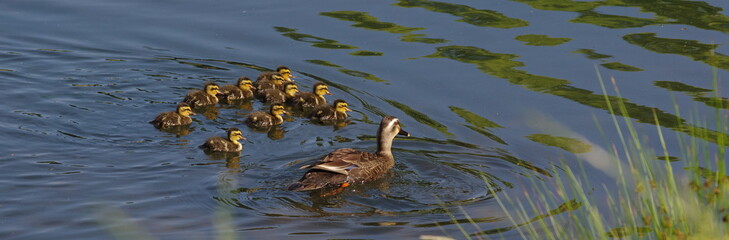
{"points": [[493, 93]]}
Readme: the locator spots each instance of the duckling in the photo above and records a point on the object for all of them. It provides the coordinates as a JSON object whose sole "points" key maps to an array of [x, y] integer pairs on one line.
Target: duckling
{"points": [[203, 98], [275, 82], [243, 89], [262, 119], [272, 96], [221, 144], [345, 166], [308, 100], [327, 114], [179, 118], [283, 70]]}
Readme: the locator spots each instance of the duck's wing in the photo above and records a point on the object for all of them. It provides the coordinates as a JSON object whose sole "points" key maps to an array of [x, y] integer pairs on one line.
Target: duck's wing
{"points": [[340, 161]]}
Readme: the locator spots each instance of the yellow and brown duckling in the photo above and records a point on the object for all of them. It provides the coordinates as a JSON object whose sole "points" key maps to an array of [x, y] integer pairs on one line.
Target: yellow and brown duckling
{"points": [[243, 89], [308, 100], [261, 119], [276, 81], [272, 96], [225, 144], [283, 70], [331, 113], [180, 117], [346, 166], [205, 97]]}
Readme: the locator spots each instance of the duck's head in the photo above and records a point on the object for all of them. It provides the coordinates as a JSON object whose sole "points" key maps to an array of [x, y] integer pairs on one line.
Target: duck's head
{"points": [[211, 88], [184, 109], [341, 106], [285, 73], [234, 134], [277, 109], [290, 89], [277, 79], [390, 127], [245, 83], [321, 89]]}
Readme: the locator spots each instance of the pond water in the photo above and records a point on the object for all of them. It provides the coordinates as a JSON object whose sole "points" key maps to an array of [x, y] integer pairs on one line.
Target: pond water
{"points": [[492, 92]]}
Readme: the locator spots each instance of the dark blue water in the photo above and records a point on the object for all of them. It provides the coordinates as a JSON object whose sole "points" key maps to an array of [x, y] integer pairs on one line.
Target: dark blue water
{"points": [[479, 86]]}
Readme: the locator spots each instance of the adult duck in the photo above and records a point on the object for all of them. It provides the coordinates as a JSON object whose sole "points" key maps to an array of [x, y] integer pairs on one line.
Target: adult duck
{"points": [[346, 166]]}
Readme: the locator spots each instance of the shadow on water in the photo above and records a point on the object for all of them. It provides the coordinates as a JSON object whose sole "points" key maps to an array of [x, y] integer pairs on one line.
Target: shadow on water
{"points": [[321, 42], [697, 94], [693, 49], [476, 17], [503, 66], [365, 21], [693, 13]]}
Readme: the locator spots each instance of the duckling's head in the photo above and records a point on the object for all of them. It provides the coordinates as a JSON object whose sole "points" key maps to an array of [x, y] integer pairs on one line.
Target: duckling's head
{"points": [[245, 83], [390, 127], [290, 89], [341, 106], [234, 134], [321, 89], [211, 88], [277, 79], [184, 109], [285, 73], [277, 109]]}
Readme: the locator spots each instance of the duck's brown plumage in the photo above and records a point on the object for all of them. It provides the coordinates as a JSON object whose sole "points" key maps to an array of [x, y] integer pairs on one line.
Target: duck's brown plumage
{"points": [[283, 70], [261, 119], [177, 118], [331, 113], [313, 99], [348, 165], [225, 144], [275, 81], [242, 90], [273, 96], [205, 97]]}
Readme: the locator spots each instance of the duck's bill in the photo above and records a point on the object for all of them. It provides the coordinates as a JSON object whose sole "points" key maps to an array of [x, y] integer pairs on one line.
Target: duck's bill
{"points": [[404, 133]]}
